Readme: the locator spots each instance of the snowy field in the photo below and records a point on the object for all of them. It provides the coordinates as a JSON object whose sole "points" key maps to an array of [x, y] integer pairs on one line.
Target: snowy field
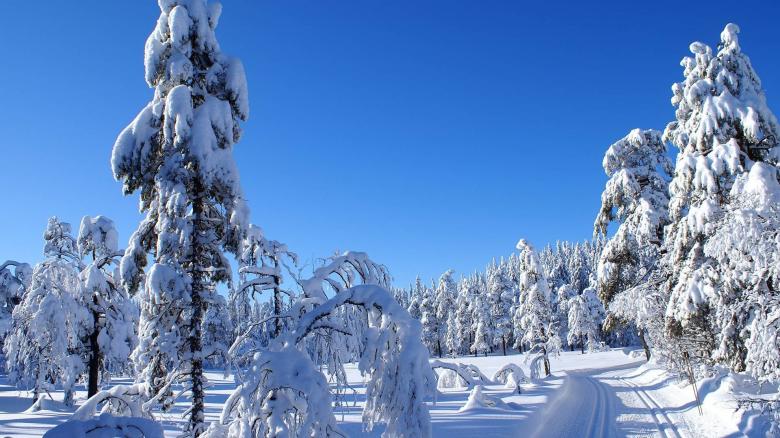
{"points": [[592, 395]]}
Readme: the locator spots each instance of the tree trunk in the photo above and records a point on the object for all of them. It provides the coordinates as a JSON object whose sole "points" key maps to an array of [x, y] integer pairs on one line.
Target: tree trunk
{"points": [[582, 344], [36, 391], [644, 344], [546, 362], [277, 304], [95, 355], [197, 419], [503, 344], [438, 347]]}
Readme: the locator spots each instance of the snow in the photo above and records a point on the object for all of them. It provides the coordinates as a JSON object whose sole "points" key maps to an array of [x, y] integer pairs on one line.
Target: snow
{"points": [[607, 393], [107, 426]]}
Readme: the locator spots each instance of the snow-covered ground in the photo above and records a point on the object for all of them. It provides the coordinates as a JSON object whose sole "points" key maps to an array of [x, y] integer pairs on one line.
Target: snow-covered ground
{"points": [[610, 393]]}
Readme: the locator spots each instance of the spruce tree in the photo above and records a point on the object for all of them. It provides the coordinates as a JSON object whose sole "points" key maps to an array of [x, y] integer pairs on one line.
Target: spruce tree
{"points": [[178, 155], [636, 197], [722, 126], [534, 315]]}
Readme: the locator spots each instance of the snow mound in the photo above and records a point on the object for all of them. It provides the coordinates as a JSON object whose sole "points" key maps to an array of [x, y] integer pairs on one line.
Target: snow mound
{"points": [[107, 426], [511, 376], [479, 400]]}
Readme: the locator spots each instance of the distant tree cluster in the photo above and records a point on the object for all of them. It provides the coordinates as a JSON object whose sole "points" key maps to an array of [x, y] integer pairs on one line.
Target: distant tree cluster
{"points": [[530, 301]]}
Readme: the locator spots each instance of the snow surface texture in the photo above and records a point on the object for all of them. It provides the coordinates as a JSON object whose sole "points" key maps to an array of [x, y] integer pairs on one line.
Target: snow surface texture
{"points": [[107, 426], [596, 394]]}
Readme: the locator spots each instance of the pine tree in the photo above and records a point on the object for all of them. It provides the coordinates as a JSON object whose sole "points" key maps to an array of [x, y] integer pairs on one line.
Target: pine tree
{"points": [[745, 248], [501, 296], [261, 261], [416, 296], [430, 322], [636, 197], [460, 334], [481, 325], [535, 313], [45, 345], [178, 154], [723, 125], [112, 335], [585, 315], [446, 293], [14, 280]]}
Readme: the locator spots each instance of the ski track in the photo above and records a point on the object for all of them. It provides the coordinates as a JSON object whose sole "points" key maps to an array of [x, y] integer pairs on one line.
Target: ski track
{"points": [[667, 427], [593, 406]]}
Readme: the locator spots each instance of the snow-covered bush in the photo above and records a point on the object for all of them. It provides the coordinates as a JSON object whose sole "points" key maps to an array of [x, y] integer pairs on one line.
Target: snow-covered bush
{"points": [[511, 376], [478, 399], [283, 395], [120, 400], [457, 375], [393, 359]]}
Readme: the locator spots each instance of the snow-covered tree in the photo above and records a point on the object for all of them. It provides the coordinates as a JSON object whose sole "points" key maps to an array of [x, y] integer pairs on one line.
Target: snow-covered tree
{"points": [[585, 315], [534, 315], [430, 321], [745, 247], [723, 126], [636, 197], [564, 294], [284, 394], [14, 280], [178, 154], [501, 296], [401, 296], [217, 332], [445, 296], [482, 324], [44, 347], [416, 295], [460, 334], [112, 335], [261, 263]]}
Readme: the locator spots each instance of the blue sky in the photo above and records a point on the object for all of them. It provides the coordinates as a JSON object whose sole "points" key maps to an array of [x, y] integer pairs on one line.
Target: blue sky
{"points": [[431, 134]]}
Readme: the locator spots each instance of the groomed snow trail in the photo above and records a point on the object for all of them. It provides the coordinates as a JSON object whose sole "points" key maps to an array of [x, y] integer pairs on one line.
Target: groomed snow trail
{"points": [[601, 402], [666, 426]]}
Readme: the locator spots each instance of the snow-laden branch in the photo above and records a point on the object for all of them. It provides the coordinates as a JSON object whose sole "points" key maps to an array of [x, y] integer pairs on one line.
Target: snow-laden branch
{"points": [[341, 272], [284, 391]]}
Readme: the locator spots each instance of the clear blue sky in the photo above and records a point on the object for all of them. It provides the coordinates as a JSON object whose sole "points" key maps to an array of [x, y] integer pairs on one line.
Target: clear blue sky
{"points": [[431, 134]]}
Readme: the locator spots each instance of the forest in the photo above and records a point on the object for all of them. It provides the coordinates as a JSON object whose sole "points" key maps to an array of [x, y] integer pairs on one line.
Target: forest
{"points": [[117, 332]]}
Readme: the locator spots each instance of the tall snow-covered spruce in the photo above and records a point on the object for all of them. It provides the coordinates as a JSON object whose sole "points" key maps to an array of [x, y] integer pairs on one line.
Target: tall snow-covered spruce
{"points": [[533, 317], [724, 130], [178, 155], [636, 197]]}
